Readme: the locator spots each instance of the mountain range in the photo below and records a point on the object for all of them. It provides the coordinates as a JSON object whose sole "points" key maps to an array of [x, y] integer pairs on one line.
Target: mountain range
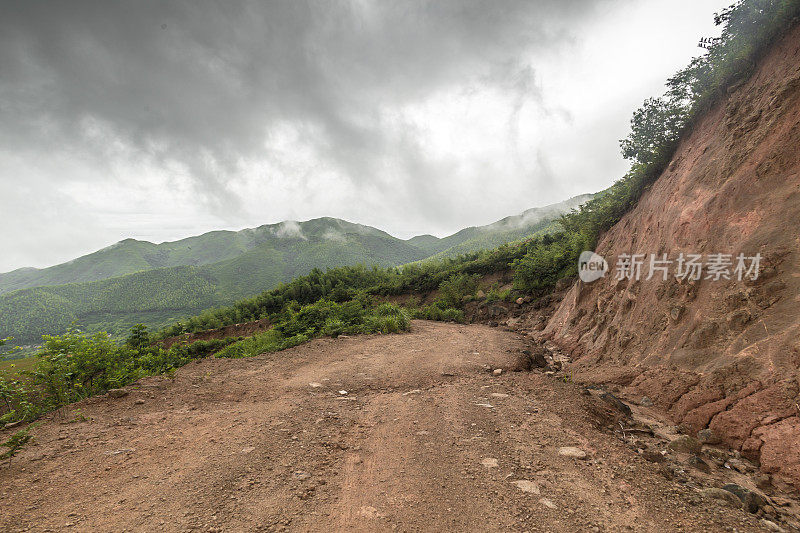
{"points": [[136, 281]]}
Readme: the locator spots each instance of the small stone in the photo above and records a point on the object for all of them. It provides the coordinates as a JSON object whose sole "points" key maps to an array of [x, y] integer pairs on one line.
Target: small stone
{"points": [[368, 511], [415, 391], [520, 301], [699, 464], [717, 456], [646, 402], [685, 444], [343, 392], [117, 393], [740, 466], [497, 371], [571, 451], [139, 402], [763, 481], [489, 462], [527, 486], [706, 436], [499, 395], [653, 456], [772, 526], [315, 385], [616, 403], [248, 449], [547, 503]]}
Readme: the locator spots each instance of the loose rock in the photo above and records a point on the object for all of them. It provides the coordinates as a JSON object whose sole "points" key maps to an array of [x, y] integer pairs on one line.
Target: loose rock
{"points": [[685, 444], [489, 462], [699, 464], [706, 436], [715, 493], [616, 403], [526, 486], [752, 501], [571, 451], [772, 526], [653, 456], [547, 503]]}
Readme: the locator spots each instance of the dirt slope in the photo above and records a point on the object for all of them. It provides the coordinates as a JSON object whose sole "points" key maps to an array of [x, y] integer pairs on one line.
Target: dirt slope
{"points": [[715, 354], [424, 440]]}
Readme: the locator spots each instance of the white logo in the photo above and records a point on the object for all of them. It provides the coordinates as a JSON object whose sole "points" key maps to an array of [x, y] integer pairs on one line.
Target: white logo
{"points": [[591, 267]]}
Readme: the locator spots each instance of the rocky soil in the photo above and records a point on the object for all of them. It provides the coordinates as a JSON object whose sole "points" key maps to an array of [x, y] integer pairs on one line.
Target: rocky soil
{"points": [[432, 430]]}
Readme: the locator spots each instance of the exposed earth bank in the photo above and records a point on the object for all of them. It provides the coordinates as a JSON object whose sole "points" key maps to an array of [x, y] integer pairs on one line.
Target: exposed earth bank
{"points": [[718, 355]]}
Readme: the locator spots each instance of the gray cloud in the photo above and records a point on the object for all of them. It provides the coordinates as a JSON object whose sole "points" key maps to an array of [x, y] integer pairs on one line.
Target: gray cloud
{"points": [[201, 83], [166, 106]]}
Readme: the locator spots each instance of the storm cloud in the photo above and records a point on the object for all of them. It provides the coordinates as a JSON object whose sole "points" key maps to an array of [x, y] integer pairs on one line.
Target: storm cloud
{"points": [[165, 119]]}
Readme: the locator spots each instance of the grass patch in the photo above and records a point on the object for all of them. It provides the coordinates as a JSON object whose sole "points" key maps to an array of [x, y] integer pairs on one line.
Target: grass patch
{"points": [[13, 367]]}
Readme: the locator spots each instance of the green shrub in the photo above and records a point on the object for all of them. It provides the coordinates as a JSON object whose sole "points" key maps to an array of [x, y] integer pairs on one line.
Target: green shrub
{"points": [[454, 290], [438, 313]]}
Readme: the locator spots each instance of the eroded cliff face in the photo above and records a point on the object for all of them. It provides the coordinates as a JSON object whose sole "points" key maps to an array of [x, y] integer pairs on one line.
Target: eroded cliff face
{"points": [[715, 354]]}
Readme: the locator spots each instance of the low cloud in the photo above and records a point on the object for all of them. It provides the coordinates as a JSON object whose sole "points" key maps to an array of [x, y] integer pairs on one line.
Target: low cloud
{"points": [[179, 117], [290, 230]]}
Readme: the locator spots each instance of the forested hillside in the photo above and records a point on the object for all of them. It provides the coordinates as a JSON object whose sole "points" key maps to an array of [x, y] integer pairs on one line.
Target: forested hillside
{"points": [[130, 255], [189, 280], [538, 220]]}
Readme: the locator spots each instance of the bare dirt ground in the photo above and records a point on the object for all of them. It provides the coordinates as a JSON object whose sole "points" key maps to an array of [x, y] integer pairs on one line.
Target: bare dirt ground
{"points": [[424, 439]]}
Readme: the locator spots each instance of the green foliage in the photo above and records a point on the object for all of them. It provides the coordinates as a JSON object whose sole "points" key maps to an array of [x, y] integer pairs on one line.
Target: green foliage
{"points": [[457, 288], [655, 130], [138, 282], [749, 27], [546, 263], [139, 337], [75, 365], [439, 312], [16, 442], [268, 341]]}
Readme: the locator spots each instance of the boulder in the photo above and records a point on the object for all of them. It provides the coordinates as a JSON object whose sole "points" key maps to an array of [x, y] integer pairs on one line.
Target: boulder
{"points": [[752, 501], [685, 444]]}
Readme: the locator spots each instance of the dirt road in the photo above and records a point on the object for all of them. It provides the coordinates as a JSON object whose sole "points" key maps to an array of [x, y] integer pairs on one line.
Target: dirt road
{"points": [[398, 432]]}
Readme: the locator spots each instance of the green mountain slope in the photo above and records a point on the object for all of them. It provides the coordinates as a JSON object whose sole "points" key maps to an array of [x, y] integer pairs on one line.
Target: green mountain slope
{"points": [[162, 283], [509, 229], [130, 255], [159, 296]]}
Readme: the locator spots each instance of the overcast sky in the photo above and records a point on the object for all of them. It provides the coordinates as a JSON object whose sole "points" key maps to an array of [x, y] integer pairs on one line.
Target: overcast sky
{"points": [[160, 120]]}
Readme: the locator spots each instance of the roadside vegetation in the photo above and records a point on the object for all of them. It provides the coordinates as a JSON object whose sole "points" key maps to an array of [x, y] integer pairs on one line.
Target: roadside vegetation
{"points": [[347, 300]]}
